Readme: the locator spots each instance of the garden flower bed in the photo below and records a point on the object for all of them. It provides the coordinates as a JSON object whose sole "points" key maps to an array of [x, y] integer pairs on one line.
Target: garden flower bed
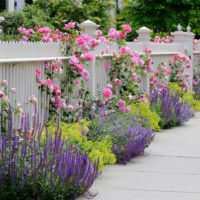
{"points": [[60, 156]]}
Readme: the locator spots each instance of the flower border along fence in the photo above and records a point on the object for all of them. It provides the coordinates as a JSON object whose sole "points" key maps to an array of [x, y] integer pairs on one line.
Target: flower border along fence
{"points": [[19, 60]]}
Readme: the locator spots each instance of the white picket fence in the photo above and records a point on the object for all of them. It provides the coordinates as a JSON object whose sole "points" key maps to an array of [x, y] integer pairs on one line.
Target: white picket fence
{"points": [[18, 61]]}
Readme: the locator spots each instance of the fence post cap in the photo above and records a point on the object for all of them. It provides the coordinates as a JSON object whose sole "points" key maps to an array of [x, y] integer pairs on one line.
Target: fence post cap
{"points": [[144, 29], [88, 23]]}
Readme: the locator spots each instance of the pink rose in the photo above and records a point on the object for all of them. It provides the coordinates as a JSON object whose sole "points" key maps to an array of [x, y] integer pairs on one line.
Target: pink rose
{"points": [[107, 66], [58, 93], [188, 66], [86, 75], [56, 86], [48, 82], [70, 25], [121, 103], [107, 93], [118, 81], [109, 86], [113, 33], [73, 60], [77, 82], [99, 33], [70, 107], [127, 28], [80, 68], [38, 72], [1, 94], [157, 72], [168, 71], [55, 67], [127, 109], [89, 56]]}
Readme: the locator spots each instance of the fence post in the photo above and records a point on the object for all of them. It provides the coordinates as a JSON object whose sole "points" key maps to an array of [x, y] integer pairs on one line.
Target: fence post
{"points": [[144, 38], [10, 5], [185, 41], [90, 29], [2, 19]]}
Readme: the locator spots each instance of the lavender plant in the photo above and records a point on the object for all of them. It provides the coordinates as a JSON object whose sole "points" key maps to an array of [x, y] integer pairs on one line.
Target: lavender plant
{"points": [[129, 137], [29, 170], [171, 110]]}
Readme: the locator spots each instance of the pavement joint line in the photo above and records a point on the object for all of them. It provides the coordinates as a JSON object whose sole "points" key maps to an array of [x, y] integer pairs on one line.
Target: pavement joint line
{"points": [[146, 190], [161, 172], [171, 156]]}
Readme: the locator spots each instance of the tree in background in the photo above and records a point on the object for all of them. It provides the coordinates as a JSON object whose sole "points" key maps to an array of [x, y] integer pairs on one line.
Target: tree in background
{"points": [[56, 13], [160, 15]]}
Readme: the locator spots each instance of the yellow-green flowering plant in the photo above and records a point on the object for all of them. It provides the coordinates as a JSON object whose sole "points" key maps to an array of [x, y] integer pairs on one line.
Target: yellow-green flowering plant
{"points": [[75, 134], [144, 112]]}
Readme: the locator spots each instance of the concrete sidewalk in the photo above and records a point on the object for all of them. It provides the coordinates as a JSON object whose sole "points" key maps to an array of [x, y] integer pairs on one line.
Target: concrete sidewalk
{"points": [[169, 169]]}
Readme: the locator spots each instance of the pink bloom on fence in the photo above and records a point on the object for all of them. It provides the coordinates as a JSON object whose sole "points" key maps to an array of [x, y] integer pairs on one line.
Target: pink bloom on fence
{"points": [[168, 71], [38, 72], [45, 30], [70, 107], [86, 75], [70, 25], [80, 68], [99, 33], [73, 60], [146, 50], [48, 82], [121, 103], [77, 82], [118, 81], [113, 33], [157, 72], [107, 93], [89, 56], [107, 66], [56, 86], [1, 94], [127, 28], [33, 99], [55, 68]]}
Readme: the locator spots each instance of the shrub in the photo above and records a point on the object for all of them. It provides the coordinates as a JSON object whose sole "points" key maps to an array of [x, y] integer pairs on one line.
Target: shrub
{"points": [[175, 88], [143, 111], [129, 137], [30, 171], [168, 106], [75, 134], [188, 98]]}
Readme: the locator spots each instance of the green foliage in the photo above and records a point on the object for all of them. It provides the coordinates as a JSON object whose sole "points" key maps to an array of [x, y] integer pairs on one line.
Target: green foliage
{"points": [[175, 88], [30, 17], [74, 133], [188, 98], [144, 112], [56, 13], [160, 15]]}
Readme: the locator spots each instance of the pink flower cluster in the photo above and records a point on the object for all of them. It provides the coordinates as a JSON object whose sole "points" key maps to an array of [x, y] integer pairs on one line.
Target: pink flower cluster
{"points": [[160, 77], [122, 107], [44, 34], [179, 65], [107, 92], [167, 39], [118, 35], [79, 67]]}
